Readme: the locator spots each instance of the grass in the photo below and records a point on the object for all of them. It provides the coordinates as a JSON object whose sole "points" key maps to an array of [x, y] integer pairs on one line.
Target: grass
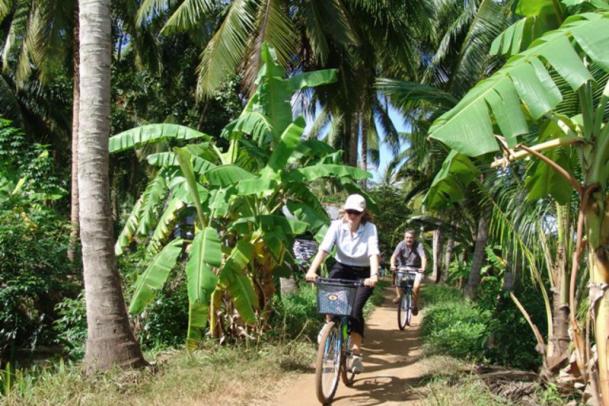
{"points": [[237, 375], [229, 375], [450, 382]]}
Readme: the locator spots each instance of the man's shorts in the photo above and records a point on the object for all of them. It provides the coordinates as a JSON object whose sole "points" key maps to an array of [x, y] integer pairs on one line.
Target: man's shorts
{"points": [[417, 280]]}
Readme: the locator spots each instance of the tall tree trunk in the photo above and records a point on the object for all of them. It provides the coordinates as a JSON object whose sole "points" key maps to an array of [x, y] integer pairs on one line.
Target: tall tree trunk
{"points": [[448, 257], [559, 340], [597, 223], [74, 223], [110, 340], [353, 137], [436, 254], [481, 238], [364, 162]]}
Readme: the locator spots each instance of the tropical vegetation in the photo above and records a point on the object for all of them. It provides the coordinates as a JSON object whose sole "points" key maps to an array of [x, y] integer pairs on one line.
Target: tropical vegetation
{"points": [[159, 160]]}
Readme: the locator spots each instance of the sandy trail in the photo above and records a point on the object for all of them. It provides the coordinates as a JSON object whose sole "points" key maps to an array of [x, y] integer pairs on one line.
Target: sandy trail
{"points": [[393, 366]]}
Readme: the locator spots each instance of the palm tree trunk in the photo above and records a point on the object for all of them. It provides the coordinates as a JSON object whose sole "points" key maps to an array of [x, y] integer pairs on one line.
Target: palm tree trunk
{"points": [[353, 140], [364, 162], [478, 259], [110, 340], [448, 257], [436, 254], [74, 223]]}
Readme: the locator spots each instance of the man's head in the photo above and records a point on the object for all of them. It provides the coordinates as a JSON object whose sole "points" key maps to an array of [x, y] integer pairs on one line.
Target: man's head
{"points": [[409, 237]]}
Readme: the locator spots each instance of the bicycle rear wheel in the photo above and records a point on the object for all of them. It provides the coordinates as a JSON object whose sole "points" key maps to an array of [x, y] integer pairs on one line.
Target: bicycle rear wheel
{"points": [[328, 363], [404, 310], [346, 375]]}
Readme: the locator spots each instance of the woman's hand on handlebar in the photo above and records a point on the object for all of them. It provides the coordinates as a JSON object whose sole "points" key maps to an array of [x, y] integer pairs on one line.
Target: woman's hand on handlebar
{"points": [[371, 281]]}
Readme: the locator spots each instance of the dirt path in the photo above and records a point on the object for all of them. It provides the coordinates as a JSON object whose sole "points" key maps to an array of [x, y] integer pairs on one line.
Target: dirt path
{"points": [[393, 366]]}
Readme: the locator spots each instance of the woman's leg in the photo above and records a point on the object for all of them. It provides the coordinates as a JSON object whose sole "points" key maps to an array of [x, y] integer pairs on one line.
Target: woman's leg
{"points": [[357, 320]]}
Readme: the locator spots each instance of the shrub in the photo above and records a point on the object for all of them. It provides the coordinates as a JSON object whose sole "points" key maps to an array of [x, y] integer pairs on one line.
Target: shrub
{"points": [[34, 276], [71, 326], [296, 314], [457, 329]]}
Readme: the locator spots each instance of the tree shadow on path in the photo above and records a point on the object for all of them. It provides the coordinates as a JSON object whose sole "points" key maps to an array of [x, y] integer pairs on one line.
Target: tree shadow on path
{"points": [[392, 372]]}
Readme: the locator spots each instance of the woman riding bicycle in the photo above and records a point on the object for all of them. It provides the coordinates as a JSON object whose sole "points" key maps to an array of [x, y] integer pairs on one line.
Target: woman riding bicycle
{"points": [[357, 253]]}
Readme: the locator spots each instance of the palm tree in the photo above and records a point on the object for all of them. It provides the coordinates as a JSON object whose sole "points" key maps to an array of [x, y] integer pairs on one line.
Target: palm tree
{"points": [[110, 340], [460, 58], [311, 35]]}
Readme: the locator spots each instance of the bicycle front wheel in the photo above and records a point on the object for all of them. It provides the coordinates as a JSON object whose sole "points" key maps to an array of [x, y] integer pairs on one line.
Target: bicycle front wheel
{"points": [[328, 363], [404, 310]]}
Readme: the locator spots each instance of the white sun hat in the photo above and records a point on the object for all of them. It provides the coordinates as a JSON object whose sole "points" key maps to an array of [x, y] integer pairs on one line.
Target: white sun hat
{"points": [[355, 202]]}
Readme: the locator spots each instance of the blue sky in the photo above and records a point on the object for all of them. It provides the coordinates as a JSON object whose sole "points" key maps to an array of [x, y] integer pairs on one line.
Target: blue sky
{"points": [[386, 154]]}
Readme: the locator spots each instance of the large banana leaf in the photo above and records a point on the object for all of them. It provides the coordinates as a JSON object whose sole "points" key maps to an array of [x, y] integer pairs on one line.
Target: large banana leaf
{"points": [[257, 186], [165, 226], [252, 123], [130, 228], [227, 175], [468, 127], [151, 133], [314, 218], [152, 202], [541, 180], [312, 79], [450, 183], [539, 16], [274, 92], [205, 254], [288, 143], [186, 165], [154, 277], [326, 170], [234, 278], [199, 165]]}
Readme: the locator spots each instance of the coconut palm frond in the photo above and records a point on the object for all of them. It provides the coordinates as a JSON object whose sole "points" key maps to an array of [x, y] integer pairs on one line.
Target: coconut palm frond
{"points": [[275, 28], [188, 15], [227, 47]]}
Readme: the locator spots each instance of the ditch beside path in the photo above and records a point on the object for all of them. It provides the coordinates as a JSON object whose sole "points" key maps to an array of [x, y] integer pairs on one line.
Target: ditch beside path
{"points": [[393, 366]]}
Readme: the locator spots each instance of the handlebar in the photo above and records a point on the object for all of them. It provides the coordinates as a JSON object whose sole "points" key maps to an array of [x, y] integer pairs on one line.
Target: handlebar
{"points": [[339, 282], [406, 269]]}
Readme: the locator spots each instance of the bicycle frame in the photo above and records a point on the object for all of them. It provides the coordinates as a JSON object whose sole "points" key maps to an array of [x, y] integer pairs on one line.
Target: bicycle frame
{"points": [[404, 310], [333, 351]]}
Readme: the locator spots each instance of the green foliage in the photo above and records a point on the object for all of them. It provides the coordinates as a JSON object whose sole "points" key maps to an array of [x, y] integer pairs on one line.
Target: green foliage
{"points": [[391, 219], [164, 322], [34, 272], [490, 329], [296, 314], [27, 175], [458, 329], [238, 194], [71, 326], [524, 89], [34, 275]]}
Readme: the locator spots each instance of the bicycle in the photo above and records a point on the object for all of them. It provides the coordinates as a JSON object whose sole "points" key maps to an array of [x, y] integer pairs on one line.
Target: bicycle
{"points": [[405, 277], [335, 297]]}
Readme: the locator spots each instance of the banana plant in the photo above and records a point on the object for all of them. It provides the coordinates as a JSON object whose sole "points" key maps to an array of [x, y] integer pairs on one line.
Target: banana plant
{"points": [[568, 62], [242, 238]]}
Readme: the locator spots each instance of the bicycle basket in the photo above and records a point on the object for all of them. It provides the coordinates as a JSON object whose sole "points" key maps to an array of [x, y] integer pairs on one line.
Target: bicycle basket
{"points": [[334, 298], [406, 279]]}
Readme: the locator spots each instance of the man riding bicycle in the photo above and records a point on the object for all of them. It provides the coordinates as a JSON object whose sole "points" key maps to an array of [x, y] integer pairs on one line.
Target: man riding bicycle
{"points": [[409, 253]]}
